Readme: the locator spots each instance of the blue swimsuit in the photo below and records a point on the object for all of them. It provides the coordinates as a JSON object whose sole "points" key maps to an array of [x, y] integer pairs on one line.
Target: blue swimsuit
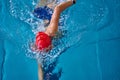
{"points": [[44, 13]]}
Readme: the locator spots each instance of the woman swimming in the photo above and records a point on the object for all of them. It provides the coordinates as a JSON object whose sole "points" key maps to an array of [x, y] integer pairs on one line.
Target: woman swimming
{"points": [[43, 41]]}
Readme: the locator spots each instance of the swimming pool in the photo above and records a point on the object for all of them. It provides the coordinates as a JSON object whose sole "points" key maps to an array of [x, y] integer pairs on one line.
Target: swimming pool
{"points": [[89, 50]]}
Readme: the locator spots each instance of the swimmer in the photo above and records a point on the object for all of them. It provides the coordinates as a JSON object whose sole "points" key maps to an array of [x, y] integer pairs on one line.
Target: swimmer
{"points": [[43, 39]]}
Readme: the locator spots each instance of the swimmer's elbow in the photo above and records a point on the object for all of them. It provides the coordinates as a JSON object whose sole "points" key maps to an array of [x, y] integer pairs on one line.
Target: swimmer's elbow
{"points": [[57, 9]]}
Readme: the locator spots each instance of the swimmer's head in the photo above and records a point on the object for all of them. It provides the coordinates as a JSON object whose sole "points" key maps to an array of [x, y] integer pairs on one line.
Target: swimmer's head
{"points": [[43, 42]]}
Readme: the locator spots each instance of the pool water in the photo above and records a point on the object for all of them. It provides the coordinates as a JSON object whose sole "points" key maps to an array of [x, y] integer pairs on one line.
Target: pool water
{"points": [[89, 48]]}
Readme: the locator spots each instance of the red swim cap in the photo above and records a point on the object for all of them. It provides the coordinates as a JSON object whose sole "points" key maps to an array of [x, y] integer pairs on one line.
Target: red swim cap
{"points": [[42, 40]]}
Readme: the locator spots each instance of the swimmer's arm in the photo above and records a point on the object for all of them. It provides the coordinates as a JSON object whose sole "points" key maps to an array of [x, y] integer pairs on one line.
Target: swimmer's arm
{"points": [[53, 26], [40, 72]]}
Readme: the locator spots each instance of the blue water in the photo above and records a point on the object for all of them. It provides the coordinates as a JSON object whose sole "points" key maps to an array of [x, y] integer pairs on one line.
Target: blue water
{"points": [[89, 49]]}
